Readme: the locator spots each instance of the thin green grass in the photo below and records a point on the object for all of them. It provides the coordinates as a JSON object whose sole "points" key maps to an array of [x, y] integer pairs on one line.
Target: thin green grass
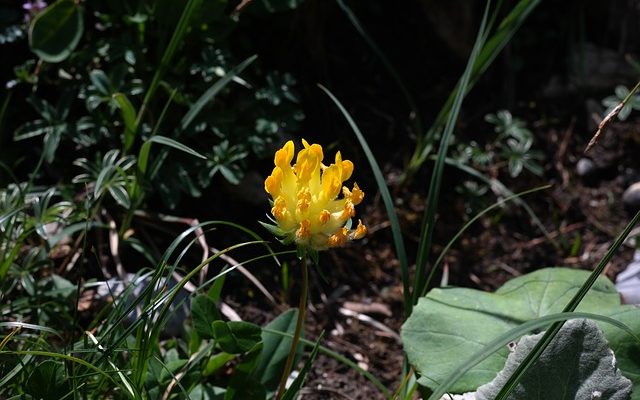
{"points": [[428, 222], [396, 231], [468, 224], [492, 46], [167, 56]]}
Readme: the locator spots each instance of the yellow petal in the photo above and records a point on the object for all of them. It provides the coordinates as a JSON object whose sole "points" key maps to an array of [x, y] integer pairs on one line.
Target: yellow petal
{"points": [[356, 194], [306, 164], [347, 169], [304, 200], [348, 211], [273, 182], [360, 231], [279, 208], [331, 182], [284, 155], [338, 239]]}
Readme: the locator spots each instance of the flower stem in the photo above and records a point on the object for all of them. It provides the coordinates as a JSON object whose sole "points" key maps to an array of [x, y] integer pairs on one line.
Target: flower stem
{"points": [[302, 307]]}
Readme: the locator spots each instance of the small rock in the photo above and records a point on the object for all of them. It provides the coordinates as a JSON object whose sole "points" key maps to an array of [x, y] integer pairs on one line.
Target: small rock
{"points": [[586, 167], [631, 198], [593, 170], [628, 281]]}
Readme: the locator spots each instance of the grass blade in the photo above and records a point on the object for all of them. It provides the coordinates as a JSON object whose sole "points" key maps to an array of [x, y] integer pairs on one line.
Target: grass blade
{"points": [[386, 199], [428, 221], [213, 91], [446, 248], [492, 47], [499, 188], [66, 358], [24, 325], [176, 38], [176, 145]]}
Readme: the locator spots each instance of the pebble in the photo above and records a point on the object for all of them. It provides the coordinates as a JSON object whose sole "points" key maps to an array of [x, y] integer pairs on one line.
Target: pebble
{"points": [[586, 167], [631, 198]]}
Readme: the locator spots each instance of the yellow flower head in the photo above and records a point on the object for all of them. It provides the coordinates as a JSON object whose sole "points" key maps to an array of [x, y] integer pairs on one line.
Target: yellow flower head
{"points": [[306, 206]]}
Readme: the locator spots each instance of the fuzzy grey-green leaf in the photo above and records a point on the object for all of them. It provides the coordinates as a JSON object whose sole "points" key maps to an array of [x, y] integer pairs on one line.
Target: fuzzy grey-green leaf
{"points": [[577, 364]]}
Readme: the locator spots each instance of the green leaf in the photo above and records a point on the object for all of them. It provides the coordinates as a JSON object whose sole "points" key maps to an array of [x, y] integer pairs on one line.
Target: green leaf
{"points": [[120, 195], [216, 362], [450, 323], [276, 348], [215, 292], [577, 363], [101, 82], [31, 129], [176, 145], [47, 381], [56, 31], [129, 117], [102, 180], [51, 142], [621, 91], [514, 334], [203, 313], [273, 229], [236, 337]]}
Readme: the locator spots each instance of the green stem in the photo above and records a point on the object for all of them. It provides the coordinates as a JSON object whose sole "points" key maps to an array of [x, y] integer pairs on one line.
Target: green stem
{"points": [[302, 307]]}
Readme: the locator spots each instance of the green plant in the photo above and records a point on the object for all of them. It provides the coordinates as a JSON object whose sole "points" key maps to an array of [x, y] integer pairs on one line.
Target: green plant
{"points": [[463, 321], [490, 47], [128, 84], [512, 147], [514, 143]]}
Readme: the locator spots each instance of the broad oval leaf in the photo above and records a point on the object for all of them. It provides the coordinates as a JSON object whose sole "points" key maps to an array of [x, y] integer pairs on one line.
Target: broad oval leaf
{"points": [[236, 337], [450, 323], [47, 381], [56, 31], [276, 349], [204, 312]]}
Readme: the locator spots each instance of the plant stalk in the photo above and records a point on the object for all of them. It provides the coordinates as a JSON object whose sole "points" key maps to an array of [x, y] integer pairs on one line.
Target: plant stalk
{"points": [[302, 307]]}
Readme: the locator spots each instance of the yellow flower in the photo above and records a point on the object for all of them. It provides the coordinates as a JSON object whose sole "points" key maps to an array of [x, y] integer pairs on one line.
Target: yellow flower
{"points": [[306, 206]]}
